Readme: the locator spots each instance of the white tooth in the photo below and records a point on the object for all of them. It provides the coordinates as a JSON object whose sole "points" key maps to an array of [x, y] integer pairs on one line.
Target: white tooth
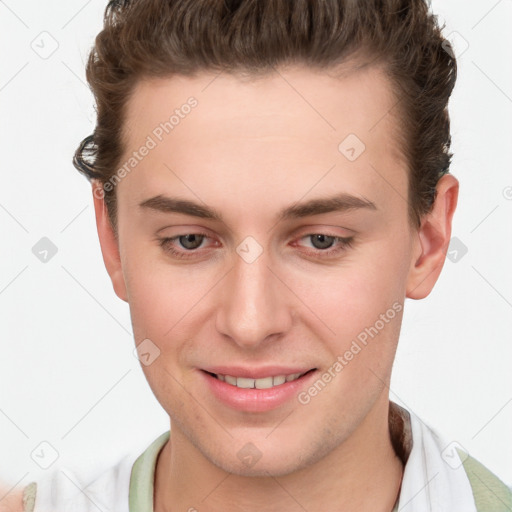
{"points": [[264, 383], [243, 382], [280, 379], [230, 380]]}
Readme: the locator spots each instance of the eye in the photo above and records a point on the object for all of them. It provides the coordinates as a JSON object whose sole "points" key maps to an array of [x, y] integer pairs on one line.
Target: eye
{"points": [[189, 242], [324, 243]]}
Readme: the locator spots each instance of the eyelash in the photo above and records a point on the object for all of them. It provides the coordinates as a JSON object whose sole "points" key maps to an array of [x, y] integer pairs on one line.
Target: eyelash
{"points": [[345, 243]]}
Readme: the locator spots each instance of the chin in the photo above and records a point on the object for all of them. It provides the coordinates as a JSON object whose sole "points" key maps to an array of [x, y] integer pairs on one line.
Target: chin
{"points": [[260, 469], [275, 461]]}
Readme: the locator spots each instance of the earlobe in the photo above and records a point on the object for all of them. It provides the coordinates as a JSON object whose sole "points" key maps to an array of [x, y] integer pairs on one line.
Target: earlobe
{"points": [[433, 239], [108, 242]]}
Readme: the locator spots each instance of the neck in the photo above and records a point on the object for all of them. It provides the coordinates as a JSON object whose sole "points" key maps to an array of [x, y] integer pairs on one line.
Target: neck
{"points": [[186, 480]]}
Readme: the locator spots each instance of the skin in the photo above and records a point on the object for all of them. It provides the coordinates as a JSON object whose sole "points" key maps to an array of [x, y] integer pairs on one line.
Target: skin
{"points": [[249, 149], [10, 500]]}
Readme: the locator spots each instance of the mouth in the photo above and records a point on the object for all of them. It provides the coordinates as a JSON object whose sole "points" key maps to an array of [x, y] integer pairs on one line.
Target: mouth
{"points": [[257, 390], [269, 382]]}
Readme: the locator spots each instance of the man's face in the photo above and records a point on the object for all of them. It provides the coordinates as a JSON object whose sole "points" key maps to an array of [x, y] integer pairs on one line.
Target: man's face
{"points": [[256, 294]]}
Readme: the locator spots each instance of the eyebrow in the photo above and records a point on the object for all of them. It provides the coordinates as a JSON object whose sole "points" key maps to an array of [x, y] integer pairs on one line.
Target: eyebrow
{"points": [[337, 203]]}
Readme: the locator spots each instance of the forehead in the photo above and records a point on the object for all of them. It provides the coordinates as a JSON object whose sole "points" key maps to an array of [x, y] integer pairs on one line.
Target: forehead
{"points": [[283, 129], [359, 99]]}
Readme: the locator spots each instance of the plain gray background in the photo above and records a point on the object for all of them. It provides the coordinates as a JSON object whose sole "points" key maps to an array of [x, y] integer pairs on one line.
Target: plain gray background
{"points": [[68, 375]]}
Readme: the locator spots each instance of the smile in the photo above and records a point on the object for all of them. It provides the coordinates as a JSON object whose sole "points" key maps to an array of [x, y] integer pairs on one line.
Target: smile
{"points": [[256, 389], [263, 383]]}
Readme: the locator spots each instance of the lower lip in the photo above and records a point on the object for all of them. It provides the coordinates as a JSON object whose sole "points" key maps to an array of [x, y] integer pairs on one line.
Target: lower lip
{"points": [[256, 400]]}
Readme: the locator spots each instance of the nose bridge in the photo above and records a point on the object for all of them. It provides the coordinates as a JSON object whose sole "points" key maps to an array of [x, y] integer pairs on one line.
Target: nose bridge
{"points": [[252, 307]]}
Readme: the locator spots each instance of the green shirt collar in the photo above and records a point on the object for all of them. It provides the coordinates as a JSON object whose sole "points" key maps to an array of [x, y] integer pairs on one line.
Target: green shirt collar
{"points": [[142, 477]]}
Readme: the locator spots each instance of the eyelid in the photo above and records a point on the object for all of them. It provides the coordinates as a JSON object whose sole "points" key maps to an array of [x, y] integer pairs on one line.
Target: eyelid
{"points": [[184, 229], [326, 229]]}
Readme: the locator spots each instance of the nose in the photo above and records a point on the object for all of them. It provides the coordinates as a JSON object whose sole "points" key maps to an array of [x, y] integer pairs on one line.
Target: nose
{"points": [[254, 304]]}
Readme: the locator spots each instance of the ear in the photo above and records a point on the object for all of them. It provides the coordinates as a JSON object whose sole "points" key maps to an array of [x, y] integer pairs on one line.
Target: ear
{"points": [[432, 240], [108, 241]]}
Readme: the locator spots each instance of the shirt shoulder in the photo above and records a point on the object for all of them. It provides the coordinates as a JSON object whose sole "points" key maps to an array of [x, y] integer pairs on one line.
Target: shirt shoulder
{"points": [[440, 475], [489, 492], [117, 488], [64, 490]]}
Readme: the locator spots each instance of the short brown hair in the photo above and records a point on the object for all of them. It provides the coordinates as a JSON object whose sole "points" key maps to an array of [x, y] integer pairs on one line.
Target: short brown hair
{"points": [[160, 38]]}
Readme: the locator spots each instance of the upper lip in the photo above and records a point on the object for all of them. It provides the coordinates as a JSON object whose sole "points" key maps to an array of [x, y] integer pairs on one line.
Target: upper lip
{"points": [[257, 373]]}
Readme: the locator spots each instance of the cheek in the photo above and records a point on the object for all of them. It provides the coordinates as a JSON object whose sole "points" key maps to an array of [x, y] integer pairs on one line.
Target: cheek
{"points": [[160, 302], [352, 295], [362, 304], [160, 295]]}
